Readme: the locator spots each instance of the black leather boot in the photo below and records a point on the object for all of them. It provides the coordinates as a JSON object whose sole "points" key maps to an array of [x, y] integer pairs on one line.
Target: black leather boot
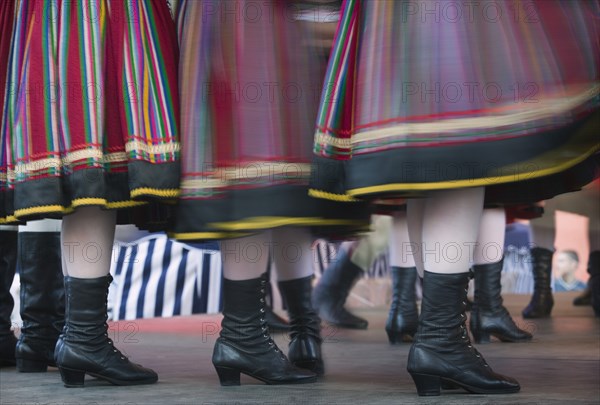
{"points": [[245, 345], [330, 294], [542, 301], [403, 318], [275, 322], [594, 280], [305, 344], [84, 346], [42, 300], [8, 264], [442, 352], [489, 316]]}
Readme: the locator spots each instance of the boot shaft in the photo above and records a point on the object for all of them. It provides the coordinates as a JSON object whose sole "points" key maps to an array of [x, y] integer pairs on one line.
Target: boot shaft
{"points": [[443, 308], [244, 298], [541, 265], [488, 288], [244, 313], [86, 309], [42, 284], [8, 264], [403, 288], [297, 295]]}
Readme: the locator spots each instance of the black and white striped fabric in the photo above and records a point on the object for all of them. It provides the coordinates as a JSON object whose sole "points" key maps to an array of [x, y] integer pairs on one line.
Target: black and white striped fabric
{"points": [[159, 277]]}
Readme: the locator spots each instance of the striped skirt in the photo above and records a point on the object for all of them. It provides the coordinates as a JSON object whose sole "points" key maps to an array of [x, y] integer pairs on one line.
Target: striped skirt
{"points": [[435, 95], [249, 92], [90, 106]]}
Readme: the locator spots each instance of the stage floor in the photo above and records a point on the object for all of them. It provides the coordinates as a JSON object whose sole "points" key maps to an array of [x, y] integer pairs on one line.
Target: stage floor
{"points": [[562, 365]]}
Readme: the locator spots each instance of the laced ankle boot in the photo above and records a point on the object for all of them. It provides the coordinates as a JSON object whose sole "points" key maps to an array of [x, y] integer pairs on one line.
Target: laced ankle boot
{"points": [[489, 316], [442, 353], [245, 345], [84, 346]]}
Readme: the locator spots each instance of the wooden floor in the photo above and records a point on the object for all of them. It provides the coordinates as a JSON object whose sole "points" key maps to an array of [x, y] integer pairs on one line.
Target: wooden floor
{"points": [[561, 366]]}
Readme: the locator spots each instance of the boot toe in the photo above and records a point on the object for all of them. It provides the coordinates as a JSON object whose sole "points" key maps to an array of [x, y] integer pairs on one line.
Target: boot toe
{"points": [[134, 375], [496, 384], [505, 384]]}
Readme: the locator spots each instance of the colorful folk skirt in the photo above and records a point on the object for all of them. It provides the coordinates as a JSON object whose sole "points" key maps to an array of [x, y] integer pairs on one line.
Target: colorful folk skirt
{"points": [[90, 106], [430, 95], [249, 98]]}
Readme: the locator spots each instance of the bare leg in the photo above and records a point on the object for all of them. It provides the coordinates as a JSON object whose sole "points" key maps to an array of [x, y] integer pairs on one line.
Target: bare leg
{"points": [[87, 240], [490, 243], [451, 222], [246, 258], [415, 211], [292, 253], [401, 250]]}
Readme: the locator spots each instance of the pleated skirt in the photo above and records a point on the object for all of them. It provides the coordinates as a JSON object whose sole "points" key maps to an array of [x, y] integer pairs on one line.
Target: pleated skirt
{"points": [[90, 106], [423, 96], [249, 88]]}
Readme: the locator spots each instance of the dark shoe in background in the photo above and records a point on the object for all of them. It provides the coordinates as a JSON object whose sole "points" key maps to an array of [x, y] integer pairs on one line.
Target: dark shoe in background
{"points": [[332, 290], [542, 301], [489, 317], [403, 318]]}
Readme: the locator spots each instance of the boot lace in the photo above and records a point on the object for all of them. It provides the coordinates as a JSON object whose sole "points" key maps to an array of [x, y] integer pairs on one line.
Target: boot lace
{"points": [[463, 327], [263, 323], [109, 341]]}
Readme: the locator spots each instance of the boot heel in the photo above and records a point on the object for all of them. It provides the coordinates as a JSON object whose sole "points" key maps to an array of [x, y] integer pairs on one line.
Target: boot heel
{"points": [[427, 385], [447, 385], [481, 337], [228, 376], [31, 366], [72, 378]]}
